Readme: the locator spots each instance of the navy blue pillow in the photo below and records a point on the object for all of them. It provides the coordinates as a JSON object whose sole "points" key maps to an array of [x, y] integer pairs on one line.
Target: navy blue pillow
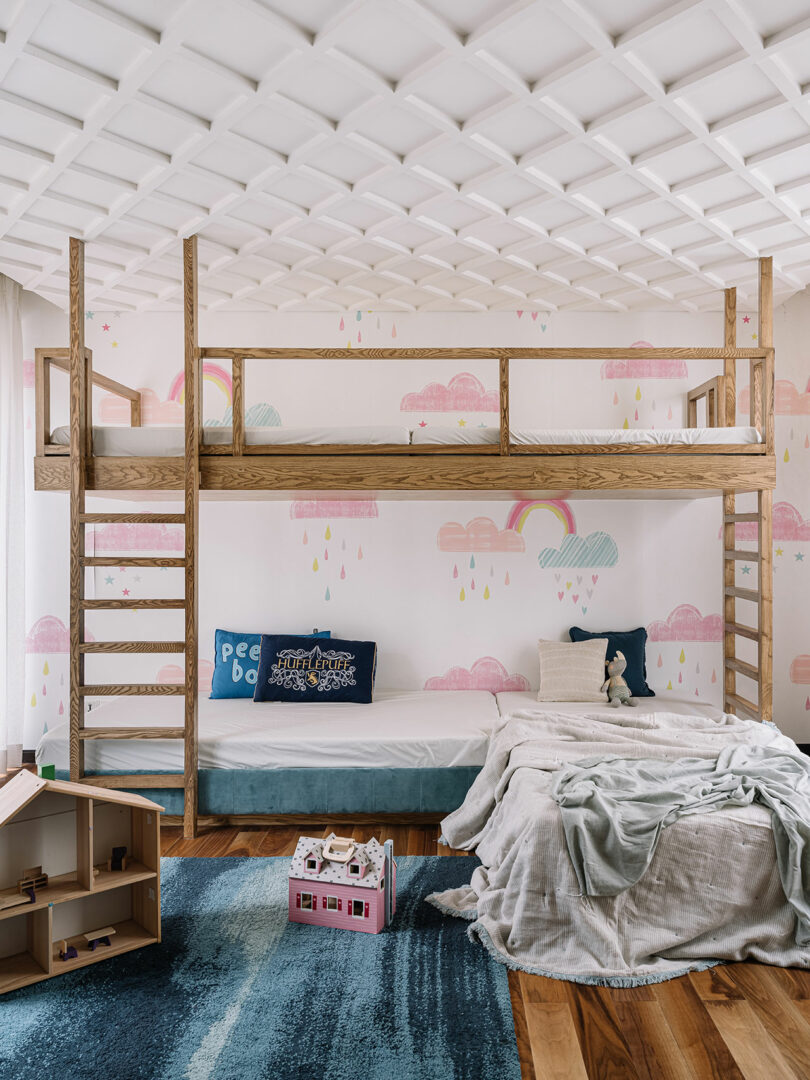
{"points": [[236, 663], [300, 669], [633, 643]]}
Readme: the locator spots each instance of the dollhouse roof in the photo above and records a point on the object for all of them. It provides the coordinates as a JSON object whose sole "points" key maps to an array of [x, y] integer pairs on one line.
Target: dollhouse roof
{"points": [[27, 786], [371, 855], [315, 851]]}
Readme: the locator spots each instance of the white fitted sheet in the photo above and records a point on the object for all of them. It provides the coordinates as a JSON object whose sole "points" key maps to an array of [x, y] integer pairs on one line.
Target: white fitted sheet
{"points": [[157, 441], [399, 729], [514, 700], [722, 436]]}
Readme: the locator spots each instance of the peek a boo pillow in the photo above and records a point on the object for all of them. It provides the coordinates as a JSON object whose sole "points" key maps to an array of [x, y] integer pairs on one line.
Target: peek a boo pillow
{"points": [[301, 669], [572, 671], [236, 663]]}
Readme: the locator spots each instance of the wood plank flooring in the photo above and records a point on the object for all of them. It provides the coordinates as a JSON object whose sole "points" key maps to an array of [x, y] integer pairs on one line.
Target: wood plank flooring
{"points": [[737, 1022]]}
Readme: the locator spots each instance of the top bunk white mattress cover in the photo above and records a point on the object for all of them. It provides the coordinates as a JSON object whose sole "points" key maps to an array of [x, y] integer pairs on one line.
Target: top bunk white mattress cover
{"points": [[399, 729], [161, 441]]}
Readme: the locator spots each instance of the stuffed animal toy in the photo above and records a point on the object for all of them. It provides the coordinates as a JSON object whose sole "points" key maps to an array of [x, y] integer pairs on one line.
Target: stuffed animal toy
{"points": [[618, 691]]}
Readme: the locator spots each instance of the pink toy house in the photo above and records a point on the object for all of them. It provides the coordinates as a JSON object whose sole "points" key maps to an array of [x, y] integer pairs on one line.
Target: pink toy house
{"points": [[338, 882]]}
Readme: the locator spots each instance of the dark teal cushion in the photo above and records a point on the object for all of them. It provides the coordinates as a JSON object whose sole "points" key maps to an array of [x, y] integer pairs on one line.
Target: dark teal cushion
{"points": [[236, 663], [633, 643]]}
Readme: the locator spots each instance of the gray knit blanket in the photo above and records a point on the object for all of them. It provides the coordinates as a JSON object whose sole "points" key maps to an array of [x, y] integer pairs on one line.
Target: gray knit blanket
{"points": [[645, 885]]}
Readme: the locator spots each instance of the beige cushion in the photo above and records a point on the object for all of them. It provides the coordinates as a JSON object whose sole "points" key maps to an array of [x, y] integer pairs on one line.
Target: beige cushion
{"points": [[572, 671]]}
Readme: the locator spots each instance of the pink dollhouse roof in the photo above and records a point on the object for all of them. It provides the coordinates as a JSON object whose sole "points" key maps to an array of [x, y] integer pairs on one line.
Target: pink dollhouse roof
{"points": [[371, 855]]}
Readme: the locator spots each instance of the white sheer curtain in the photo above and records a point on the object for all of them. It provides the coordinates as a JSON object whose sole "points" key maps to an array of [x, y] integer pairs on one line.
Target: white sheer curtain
{"points": [[12, 527]]}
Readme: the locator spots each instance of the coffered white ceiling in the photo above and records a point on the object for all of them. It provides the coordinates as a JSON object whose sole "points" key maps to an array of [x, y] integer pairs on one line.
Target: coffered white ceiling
{"points": [[407, 154]]}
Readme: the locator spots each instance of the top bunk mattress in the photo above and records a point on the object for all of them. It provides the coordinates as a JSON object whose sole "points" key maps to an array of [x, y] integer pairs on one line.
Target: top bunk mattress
{"points": [[399, 729], [159, 441]]}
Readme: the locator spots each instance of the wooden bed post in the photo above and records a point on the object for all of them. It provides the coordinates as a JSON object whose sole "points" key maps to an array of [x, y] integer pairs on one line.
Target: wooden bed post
{"points": [[78, 480], [192, 512], [765, 498], [504, 399], [730, 364]]}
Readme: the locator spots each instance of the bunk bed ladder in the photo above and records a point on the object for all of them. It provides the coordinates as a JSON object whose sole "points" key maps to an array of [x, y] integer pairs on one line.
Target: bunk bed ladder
{"points": [[80, 647], [760, 556]]}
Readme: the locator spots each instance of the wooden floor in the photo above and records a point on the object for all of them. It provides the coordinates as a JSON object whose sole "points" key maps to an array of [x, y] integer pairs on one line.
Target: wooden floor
{"points": [[738, 1022]]}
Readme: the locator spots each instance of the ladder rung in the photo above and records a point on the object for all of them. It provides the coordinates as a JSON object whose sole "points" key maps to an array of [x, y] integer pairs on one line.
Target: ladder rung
{"points": [[730, 519], [742, 631], [745, 556], [132, 605], [744, 704], [749, 670], [110, 560], [744, 594], [132, 519], [137, 780], [133, 690], [132, 733], [132, 646]]}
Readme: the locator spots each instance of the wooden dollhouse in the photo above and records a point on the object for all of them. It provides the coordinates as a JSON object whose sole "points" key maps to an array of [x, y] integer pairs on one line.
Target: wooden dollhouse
{"points": [[339, 882], [75, 907]]}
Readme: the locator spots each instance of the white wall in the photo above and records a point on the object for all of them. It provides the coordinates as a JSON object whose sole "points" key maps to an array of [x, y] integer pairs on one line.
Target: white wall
{"points": [[406, 592]]}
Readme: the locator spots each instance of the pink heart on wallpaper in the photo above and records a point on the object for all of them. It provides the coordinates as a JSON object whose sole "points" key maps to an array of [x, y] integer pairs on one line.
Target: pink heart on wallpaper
{"points": [[589, 592], [584, 611], [520, 314], [579, 579], [534, 316], [560, 595], [594, 578], [575, 597], [556, 577]]}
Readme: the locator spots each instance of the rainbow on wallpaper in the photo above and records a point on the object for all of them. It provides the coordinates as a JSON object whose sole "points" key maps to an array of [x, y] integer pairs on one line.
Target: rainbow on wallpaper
{"points": [[595, 549], [463, 393], [685, 623], [481, 534], [485, 673]]}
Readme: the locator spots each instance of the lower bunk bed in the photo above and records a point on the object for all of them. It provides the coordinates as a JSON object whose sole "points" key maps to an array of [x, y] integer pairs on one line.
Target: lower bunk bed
{"points": [[628, 846], [407, 753]]}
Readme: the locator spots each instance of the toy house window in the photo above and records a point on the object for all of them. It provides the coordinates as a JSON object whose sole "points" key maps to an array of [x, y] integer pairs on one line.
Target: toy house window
{"points": [[382, 882], [312, 864], [331, 903], [354, 869], [306, 901], [357, 909]]}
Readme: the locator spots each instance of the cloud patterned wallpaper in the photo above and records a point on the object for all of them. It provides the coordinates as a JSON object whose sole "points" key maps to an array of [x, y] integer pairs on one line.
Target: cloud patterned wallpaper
{"points": [[455, 592]]}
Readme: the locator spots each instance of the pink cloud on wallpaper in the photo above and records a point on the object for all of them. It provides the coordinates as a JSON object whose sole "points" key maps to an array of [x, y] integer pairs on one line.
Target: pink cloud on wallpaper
{"points": [[50, 635], [788, 524], [788, 400], [486, 673], [334, 508], [115, 410], [464, 393], [141, 537], [639, 368], [173, 673], [686, 623], [800, 669], [480, 534]]}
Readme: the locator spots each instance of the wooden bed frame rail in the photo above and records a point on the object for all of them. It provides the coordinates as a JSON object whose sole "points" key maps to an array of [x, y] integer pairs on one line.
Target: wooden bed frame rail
{"points": [[719, 393]]}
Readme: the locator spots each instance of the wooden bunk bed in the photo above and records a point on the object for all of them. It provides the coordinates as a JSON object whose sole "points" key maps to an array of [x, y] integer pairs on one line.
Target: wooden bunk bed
{"points": [[505, 470]]}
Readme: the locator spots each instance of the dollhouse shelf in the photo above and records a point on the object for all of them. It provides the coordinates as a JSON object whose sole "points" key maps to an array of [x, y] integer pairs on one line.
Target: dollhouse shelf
{"points": [[70, 828]]}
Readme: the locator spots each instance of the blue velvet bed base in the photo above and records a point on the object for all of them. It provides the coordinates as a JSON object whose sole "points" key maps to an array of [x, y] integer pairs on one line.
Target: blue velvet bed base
{"points": [[321, 791]]}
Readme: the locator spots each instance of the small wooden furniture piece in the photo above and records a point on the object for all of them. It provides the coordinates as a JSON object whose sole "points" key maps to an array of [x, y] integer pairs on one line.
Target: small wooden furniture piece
{"points": [[71, 827]]}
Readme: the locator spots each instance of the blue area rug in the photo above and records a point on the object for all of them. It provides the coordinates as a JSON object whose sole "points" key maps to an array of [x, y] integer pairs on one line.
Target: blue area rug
{"points": [[235, 992]]}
